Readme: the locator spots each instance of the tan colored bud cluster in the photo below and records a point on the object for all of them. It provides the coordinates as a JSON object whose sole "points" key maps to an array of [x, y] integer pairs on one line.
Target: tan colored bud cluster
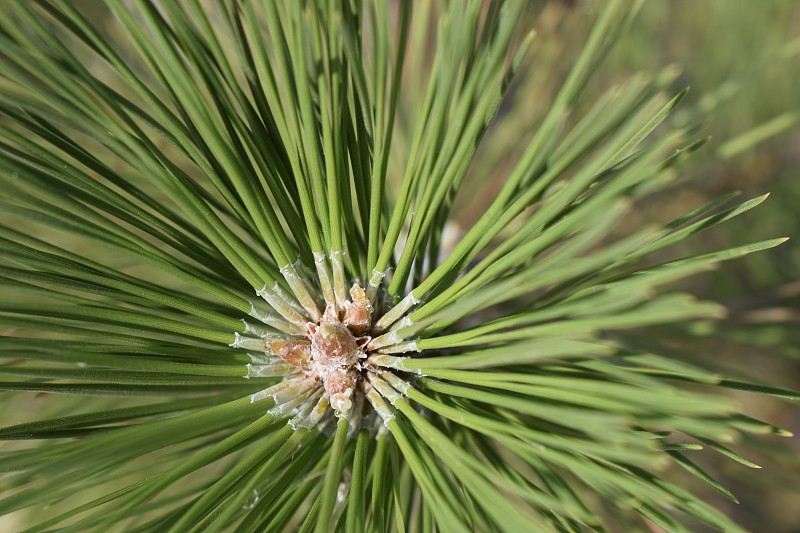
{"points": [[334, 349]]}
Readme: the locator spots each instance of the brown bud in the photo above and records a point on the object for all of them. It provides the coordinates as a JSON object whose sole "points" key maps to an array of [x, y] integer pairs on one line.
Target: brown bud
{"points": [[333, 344], [340, 385], [295, 352], [359, 314], [358, 319]]}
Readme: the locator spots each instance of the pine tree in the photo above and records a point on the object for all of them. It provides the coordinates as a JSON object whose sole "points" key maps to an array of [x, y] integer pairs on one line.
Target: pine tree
{"points": [[234, 270]]}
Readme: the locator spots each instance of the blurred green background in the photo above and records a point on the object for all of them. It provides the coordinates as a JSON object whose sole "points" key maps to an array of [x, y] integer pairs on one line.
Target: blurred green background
{"points": [[741, 59]]}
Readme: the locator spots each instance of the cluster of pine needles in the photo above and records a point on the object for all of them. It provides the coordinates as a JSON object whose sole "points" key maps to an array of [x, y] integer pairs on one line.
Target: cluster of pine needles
{"points": [[192, 190]]}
